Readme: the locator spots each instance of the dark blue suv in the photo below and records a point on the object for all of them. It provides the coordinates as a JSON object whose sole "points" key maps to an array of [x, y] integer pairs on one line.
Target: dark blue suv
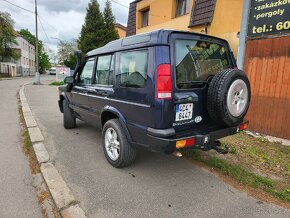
{"points": [[162, 91]]}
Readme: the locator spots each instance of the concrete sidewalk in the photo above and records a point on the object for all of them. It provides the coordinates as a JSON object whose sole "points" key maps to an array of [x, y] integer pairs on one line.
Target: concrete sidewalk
{"points": [[17, 195]]}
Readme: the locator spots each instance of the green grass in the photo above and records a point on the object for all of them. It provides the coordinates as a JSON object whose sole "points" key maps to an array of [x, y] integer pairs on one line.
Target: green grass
{"points": [[26, 141], [240, 174], [56, 83]]}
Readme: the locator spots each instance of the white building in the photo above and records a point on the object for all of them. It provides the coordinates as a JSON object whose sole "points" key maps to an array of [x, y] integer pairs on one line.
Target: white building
{"points": [[26, 63]]}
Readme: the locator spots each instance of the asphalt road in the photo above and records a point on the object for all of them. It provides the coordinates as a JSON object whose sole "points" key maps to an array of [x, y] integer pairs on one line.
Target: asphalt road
{"points": [[17, 196], [155, 186]]}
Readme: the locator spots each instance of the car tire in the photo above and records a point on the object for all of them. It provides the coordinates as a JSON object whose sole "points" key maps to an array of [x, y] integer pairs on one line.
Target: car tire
{"points": [[228, 97], [118, 151], [69, 121]]}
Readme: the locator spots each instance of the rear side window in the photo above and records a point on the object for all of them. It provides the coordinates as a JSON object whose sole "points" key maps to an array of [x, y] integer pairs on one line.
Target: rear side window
{"points": [[197, 60], [104, 71], [133, 69]]}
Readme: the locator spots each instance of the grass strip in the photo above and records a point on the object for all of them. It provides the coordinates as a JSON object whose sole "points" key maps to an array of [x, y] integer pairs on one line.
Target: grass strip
{"points": [[57, 83], [240, 174]]}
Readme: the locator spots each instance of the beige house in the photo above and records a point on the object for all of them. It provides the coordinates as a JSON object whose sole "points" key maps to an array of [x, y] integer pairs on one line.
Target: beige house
{"points": [[8, 68], [26, 63]]}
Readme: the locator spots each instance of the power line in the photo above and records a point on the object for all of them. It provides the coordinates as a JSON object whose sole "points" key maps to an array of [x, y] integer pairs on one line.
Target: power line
{"points": [[119, 3], [47, 23], [43, 30], [18, 6]]}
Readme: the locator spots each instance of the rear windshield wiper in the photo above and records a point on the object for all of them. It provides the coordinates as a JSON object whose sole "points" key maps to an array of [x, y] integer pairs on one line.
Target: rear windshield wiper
{"points": [[194, 59]]}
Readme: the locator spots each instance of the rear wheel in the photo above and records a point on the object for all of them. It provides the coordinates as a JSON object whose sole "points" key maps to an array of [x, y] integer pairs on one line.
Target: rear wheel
{"points": [[117, 149], [69, 121], [228, 97]]}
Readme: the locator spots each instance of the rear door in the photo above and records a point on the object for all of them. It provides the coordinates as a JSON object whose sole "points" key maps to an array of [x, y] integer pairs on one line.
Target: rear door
{"points": [[195, 60]]}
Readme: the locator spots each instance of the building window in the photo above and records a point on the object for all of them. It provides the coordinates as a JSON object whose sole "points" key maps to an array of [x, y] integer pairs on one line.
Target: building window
{"points": [[145, 17], [182, 7]]}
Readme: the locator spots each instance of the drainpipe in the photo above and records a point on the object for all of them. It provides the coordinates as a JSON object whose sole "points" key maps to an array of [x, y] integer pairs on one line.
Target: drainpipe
{"points": [[243, 34]]}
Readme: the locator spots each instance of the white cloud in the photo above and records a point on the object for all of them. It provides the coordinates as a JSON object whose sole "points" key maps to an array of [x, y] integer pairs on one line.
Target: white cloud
{"points": [[60, 19]]}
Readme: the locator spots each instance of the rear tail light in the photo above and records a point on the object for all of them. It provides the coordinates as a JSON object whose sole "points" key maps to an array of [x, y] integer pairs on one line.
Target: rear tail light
{"points": [[164, 84], [185, 143]]}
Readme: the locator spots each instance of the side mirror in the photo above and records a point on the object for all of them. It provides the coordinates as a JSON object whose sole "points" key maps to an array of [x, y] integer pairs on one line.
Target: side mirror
{"points": [[69, 80]]}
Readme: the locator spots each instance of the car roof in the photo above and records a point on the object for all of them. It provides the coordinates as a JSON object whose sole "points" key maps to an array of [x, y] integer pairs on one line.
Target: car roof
{"points": [[156, 37]]}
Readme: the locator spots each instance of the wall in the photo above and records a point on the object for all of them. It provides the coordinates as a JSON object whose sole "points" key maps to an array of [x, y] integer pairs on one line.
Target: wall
{"points": [[26, 63], [267, 63], [8, 68], [121, 32], [225, 24]]}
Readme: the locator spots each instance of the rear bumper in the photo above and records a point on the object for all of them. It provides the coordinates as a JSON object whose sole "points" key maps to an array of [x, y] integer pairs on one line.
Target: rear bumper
{"points": [[168, 144]]}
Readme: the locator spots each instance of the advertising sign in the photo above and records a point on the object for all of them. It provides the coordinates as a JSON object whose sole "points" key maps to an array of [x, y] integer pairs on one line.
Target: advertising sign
{"points": [[62, 72], [269, 17]]}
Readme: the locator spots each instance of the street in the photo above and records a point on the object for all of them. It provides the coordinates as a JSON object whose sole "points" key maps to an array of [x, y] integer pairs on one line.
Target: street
{"points": [[156, 185], [18, 197]]}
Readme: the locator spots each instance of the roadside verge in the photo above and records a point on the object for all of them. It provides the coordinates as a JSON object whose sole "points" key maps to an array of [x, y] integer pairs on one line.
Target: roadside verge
{"points": [[61, 194]]}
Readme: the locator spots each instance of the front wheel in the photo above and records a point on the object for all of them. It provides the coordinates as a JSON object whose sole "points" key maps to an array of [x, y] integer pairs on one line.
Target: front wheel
{"points": [[117, 149]]}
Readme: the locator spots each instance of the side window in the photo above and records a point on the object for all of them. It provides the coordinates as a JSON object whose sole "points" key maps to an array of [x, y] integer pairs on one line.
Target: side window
{"points": [[105, 70], [133, 68], [87, 72]]}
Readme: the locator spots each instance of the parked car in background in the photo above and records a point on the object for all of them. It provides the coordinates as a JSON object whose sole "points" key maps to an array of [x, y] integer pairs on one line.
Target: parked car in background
{"points": [[161, 91], [52, 71]]}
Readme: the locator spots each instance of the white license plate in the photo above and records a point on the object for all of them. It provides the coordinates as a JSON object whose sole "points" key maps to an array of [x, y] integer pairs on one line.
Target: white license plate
{"points": [[183, 112]]}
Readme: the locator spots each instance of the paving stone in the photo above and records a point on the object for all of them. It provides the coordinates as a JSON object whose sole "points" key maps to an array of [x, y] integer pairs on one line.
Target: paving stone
{"points": [[61, 194], [35, 135], [73, 212], [41, 152]]}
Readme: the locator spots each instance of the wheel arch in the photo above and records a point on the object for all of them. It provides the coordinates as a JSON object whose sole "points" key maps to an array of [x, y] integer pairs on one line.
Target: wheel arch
{"points": [[62, 97], [109, 113]]}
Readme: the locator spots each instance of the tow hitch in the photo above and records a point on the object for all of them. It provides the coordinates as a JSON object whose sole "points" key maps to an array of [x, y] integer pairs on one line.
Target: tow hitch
{"points": [[215, 146]]}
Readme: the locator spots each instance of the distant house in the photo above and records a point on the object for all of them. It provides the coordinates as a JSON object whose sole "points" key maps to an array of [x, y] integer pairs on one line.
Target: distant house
{"points": [[121, 30], [26, 63]]}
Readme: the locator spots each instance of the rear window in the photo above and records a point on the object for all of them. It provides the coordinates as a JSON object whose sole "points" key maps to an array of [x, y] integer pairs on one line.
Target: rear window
{"points": [[197, 60]]}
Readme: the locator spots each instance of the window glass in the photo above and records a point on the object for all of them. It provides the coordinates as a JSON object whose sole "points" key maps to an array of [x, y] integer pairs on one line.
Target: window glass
{"points": [[145, 18], [196, 60], [182, 7], [133, 69], [87, 72], [104, 73]]}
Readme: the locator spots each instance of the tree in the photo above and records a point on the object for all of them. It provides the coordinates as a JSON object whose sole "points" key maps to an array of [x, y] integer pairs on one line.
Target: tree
{"points": [[66, 51], [7, 38], [92, 32], [71, 61], [43, 58], [110, 31]]}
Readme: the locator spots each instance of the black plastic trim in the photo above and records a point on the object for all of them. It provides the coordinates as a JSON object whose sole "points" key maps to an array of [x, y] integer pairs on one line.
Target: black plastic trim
{"points": [[161, 132]]}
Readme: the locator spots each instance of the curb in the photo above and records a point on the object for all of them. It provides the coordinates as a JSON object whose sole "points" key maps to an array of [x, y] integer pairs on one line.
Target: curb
{"points": [[269, 138], [64, 200]]}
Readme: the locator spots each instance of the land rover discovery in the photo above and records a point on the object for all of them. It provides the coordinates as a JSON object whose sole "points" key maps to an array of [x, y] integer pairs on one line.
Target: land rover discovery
{"points": [[161, 91]]}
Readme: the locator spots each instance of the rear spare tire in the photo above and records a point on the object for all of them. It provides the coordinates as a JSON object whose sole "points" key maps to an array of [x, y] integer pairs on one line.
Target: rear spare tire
{"points": [[228, 97]]}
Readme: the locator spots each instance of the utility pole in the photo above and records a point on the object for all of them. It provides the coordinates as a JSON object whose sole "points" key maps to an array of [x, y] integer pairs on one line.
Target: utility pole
{"points": [[37, 75], [243, 34]]}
